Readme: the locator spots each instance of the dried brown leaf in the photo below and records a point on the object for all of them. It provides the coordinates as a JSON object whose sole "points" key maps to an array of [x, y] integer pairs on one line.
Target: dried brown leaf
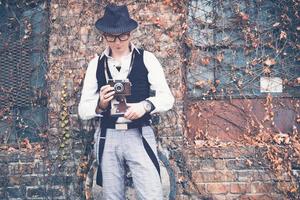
{"points": [[27, 144], [244, 16], [270, 62], [11, 149], [266, 70], [283, 35], [220, 57], [200, 83], [167, 2], [199, 143], [205, 60]]}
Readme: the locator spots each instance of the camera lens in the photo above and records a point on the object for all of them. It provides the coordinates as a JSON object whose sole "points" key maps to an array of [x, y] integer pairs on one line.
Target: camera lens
{"points": [[119, 87]]}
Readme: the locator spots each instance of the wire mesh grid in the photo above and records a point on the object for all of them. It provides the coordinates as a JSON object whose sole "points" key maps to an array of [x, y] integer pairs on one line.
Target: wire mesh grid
{"points": [[23, 64], [15, 68], [239, 47]]}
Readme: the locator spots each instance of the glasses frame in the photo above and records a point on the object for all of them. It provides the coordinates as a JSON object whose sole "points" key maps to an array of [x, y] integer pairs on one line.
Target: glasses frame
{"points": [[116, 36]]}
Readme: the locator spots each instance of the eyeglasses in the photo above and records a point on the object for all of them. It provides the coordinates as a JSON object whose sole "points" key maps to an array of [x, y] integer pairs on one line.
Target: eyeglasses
{"points": [[112, 38]]}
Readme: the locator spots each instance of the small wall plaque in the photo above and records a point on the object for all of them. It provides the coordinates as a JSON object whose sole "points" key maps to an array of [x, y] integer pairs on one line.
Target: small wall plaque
{"points": [[270, 84]]}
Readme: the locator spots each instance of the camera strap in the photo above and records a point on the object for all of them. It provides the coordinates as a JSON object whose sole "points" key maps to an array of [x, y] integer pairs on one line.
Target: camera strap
{"points": [[150, 152], [99, 177], [107, 71], [103, 129]]}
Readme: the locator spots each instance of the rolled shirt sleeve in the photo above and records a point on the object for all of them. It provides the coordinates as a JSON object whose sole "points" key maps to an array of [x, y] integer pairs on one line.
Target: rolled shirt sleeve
{"points": [[163, 99], [89, 96]]}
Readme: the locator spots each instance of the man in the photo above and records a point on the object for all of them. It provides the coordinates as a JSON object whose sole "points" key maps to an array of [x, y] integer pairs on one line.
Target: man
{"points": [[126, 138]]}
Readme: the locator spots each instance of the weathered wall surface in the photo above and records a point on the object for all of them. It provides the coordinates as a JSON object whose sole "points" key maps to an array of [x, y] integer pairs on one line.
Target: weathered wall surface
{"points": [[228, 121], [200, 166]]}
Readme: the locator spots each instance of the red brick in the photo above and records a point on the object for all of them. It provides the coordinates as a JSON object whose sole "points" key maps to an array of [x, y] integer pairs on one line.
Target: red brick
{"points": [[4, 169], [208, 164], [259, 197], [201, 188], [14, 180], [216, 176], [21, 168], [232, 196], [260, 187], [245, 175], [219, 197], [220, 164], [240, 188], [285, 186], [23, 180], [218, 188], [263, 175]]}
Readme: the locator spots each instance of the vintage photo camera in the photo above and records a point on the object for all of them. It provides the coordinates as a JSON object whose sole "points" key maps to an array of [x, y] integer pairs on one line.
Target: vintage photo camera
{"points": [[122, 89]]}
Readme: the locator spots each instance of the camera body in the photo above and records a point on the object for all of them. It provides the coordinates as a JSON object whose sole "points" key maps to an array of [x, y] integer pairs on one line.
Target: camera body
{"points": [[122, 89]]}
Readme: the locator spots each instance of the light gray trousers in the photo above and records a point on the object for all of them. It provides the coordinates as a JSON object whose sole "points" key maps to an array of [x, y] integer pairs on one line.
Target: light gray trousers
{"points": [[127, 146]]}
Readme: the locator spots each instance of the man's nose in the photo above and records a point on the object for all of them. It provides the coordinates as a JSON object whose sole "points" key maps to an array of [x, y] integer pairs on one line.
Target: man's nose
{"points": [[117, 40]]}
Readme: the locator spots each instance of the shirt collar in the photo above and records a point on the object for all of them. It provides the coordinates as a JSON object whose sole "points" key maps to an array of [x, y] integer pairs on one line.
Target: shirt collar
{"points": [[106, 51]]}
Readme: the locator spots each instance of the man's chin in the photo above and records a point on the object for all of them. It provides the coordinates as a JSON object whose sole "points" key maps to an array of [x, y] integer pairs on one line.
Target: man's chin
{"points": [[119, 49]]}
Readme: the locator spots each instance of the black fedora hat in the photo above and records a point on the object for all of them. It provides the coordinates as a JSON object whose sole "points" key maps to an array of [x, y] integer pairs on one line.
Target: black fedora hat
{"points": [[116, 19]]}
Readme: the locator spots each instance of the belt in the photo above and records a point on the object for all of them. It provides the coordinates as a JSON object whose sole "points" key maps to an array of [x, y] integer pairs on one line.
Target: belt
{"points": [[126, 126]]}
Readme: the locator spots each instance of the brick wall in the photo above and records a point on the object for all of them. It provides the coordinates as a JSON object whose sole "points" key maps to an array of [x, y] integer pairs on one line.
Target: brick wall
{"points": [[60, 173], [235, 173], [32, 175]]}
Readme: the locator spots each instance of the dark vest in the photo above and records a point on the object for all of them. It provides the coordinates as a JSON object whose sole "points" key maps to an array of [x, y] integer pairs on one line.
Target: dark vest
{"points": [[138, 76]]}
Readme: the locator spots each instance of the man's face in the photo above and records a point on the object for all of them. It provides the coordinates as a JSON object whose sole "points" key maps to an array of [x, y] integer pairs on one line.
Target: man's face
{"points": [[118, 42]]}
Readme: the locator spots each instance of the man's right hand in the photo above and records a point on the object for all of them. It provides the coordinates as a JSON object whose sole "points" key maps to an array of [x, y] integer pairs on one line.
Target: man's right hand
{"points": [[106, 95]]}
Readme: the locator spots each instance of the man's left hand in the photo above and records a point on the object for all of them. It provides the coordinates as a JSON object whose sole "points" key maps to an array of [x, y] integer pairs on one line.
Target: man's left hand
{"points": [[135, 111]]}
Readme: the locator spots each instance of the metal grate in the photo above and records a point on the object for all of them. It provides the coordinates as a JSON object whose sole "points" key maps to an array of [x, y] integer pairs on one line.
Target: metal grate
{"points": [[23, 63], [15, 74], [238, 47]]}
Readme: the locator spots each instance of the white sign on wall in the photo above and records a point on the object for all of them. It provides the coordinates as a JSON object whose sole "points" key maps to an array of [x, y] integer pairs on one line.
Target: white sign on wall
{"points": [[270, 84]]}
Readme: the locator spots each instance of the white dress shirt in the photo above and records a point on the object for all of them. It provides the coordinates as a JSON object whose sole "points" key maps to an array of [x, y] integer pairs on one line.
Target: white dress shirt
{"points": [[163, 99]]}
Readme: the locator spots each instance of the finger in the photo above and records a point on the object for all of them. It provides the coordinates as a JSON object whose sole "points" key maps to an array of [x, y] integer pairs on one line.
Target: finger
{"points": [[106, 88], [109, 98], [108, 95], [131, 116], [106, 101], [134, 117], [109, 88], [128, 117], [127, 113]]}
